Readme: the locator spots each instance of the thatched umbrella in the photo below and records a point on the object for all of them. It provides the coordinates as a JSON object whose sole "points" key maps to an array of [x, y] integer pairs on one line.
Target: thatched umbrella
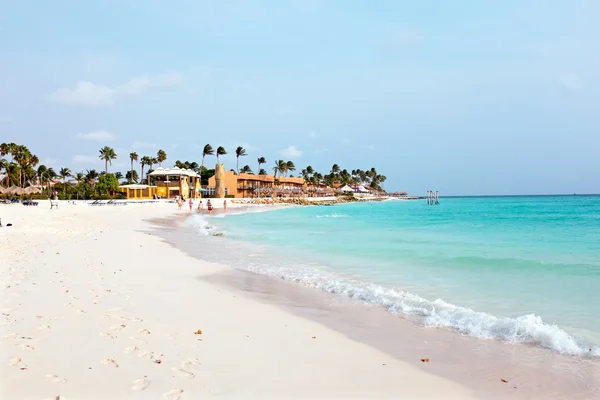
{"points": [[32, 190], [2, 190], [13, 190]]}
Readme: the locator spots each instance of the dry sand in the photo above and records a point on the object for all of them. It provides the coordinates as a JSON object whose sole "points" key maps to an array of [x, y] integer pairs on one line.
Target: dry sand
{"points": [[93, 307]]}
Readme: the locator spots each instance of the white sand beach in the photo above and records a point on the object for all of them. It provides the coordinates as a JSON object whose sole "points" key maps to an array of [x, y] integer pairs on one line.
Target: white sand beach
{"points": [[94, 307]]}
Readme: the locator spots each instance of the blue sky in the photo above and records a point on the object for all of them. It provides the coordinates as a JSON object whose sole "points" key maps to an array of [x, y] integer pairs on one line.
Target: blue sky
{"points": [[464, 97]]}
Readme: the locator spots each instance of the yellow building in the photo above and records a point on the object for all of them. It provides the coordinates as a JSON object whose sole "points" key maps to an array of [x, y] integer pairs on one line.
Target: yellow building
{"points": [[138, 192], [245, 185], [167, 183]]}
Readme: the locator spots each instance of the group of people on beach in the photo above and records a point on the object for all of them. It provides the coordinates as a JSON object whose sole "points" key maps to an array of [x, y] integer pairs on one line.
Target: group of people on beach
{"points": [[180, 200]]}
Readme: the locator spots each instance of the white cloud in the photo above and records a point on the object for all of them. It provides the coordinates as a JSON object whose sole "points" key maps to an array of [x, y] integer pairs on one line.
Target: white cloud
{"points": [[92, 95], [85, 159], [571, 81], [6, 119], [97, 136], [291, 152], [144, 145]]}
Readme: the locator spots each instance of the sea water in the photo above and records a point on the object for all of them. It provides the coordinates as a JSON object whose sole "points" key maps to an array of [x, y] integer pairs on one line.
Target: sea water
{"points": [[519, 269]]}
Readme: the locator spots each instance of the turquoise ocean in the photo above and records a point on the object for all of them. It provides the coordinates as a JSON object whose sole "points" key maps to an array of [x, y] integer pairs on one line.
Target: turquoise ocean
{"points": [[518, 269]]}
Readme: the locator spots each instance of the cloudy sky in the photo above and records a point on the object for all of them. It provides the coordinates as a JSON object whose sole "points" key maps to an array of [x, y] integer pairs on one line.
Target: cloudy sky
{"points": [[465, 97]]}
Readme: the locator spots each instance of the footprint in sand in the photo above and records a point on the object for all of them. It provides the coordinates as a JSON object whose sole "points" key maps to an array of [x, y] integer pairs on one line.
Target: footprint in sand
{"points": [[26, 347], [117, 327], [106, 334], [56, 379], [129, 350], [149, 355], [138, 339], [144, 331], [17, 362], [110, 362], [173, 394], [43, 327], [191, 362], [140, 384], [185, 373]]}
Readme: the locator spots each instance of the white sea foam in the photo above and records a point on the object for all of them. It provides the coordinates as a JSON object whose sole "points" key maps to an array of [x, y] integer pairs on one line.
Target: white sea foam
{"points": [[333, 215], [524, 329], [200, 224]]}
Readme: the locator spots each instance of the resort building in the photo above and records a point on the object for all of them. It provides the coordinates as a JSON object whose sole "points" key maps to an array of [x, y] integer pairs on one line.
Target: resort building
{"points": [[165, 183], [249, 185]]}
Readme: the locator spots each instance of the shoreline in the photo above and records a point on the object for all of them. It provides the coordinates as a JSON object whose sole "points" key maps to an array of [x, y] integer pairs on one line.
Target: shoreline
{"points": [[95, 307], [526, 368]]}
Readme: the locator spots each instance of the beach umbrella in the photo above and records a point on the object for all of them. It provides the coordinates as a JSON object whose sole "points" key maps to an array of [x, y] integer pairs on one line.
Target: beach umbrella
{"points": [[12, 190], [31, 190]]}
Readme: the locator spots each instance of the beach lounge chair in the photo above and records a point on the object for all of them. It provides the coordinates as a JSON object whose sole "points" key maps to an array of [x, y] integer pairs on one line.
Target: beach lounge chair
{"points": [[53, 203]]}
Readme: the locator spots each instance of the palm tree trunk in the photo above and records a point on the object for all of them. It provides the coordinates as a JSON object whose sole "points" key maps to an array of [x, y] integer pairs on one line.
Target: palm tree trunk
{"points": [[131, 177], [106, 166]]}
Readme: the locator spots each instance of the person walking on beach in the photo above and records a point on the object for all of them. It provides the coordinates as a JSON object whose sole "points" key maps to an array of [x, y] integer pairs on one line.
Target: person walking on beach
{"points": [[191, 202], [209, 206], [200, 207], [225, 205]]}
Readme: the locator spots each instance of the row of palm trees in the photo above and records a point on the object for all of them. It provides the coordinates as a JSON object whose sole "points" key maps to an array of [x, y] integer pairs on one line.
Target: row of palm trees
{"points": [[20, 168]]}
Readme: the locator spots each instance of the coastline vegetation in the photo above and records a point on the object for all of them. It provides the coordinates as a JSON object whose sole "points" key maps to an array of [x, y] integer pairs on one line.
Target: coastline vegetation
{"points": [[20, 167]]}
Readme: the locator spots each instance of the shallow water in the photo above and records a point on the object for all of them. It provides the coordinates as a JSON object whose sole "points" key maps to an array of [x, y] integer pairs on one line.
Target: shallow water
{"points": [[524, 269]]}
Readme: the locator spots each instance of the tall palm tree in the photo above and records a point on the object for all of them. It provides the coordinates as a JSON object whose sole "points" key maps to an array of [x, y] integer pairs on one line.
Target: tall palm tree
{"points": [[239, 152], [280, 167], [145, 161], [64, 174], [335, 169], [119, 176], [207, 151], [246, 169], [160, 157], [261, 160], [220, 152], [107, 154], [3, 166], [133, 156], [289, 166]]}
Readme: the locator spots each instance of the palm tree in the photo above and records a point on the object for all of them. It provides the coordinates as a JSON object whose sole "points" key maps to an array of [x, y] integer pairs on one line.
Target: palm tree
{"points": [[3, 166], [246, 169], [107, 154], [280, 167], [64, 174], [289, 167], [79, 177], [119, 176], [262, 172], [133, 156], [207, 151], [132, 176], [91, 175], [145, 161], [239, 152], [160, 157], [335, 169], [220, 152], [261, 160]]}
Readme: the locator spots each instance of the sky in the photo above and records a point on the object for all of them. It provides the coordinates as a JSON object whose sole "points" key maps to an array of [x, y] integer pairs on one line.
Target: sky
{"points": [[465, 97]]}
